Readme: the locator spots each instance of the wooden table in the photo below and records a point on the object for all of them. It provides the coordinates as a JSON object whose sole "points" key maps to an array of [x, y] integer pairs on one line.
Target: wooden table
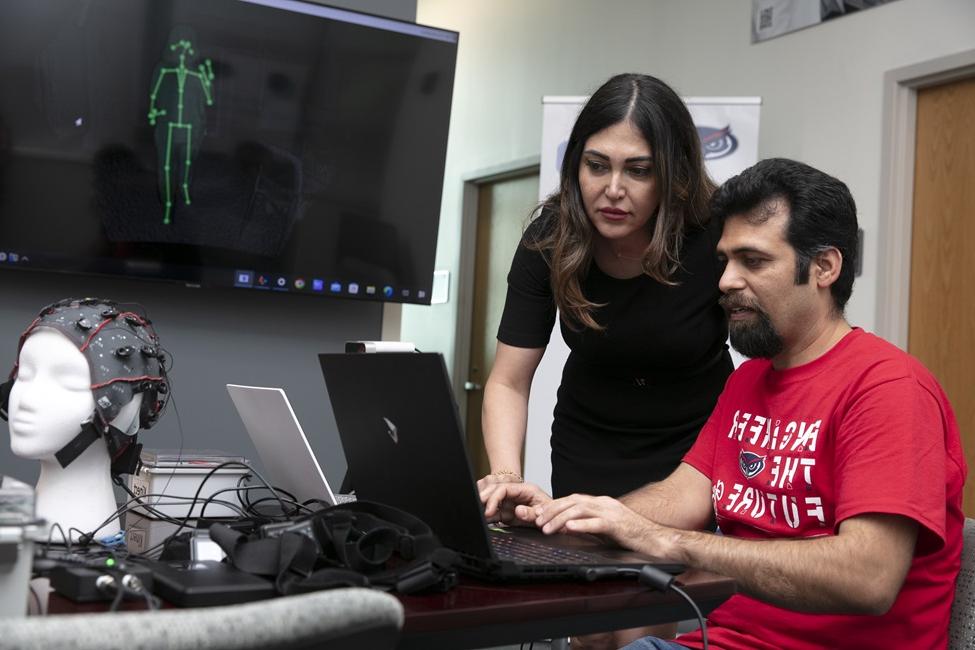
{"points": [[478, 614]]}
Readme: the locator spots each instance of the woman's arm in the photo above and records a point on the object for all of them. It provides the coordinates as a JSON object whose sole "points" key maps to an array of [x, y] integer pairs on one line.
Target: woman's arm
{"points": [[504, 413]]}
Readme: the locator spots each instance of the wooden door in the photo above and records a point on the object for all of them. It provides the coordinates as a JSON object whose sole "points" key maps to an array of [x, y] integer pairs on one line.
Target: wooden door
{"points": [[503, 208], [942, 306]]}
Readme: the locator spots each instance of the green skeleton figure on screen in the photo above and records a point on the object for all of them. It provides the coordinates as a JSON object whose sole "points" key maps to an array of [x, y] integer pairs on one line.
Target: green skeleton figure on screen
{"points": [[181, 91]]}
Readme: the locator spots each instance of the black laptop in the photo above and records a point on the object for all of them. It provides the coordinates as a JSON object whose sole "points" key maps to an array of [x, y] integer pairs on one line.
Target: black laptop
{"points": [[404, 444]]}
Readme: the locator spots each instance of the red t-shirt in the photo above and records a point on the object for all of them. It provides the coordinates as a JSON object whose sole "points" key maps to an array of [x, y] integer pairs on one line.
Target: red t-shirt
{"points": [[865, 428]]}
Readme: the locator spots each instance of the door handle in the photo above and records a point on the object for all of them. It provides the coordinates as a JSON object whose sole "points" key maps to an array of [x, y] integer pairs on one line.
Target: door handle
{"points": [[470, 386]]}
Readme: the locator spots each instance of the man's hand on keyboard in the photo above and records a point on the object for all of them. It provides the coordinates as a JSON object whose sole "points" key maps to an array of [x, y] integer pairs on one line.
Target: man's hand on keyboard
{"points": [[584, 514], [512, 503]]}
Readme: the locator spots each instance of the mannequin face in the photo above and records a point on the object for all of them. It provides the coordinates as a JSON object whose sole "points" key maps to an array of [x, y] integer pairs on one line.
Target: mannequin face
{"points": [[51, 397]]}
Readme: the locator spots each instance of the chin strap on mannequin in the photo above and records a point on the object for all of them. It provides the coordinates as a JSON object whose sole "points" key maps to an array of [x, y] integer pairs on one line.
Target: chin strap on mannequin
{"points": [[68, 453], [122, 448]]}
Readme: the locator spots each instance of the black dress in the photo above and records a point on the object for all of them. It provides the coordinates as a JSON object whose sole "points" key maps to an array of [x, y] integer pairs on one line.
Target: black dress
{"points": [[634, 396]]}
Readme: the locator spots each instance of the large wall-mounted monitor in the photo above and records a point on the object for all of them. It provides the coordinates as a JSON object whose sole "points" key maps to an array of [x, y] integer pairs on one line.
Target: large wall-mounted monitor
{"points": [[259, 144]]}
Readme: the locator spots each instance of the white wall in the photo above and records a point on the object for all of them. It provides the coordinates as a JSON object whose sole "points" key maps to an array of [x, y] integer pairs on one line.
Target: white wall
{"points": [[821, 90]]}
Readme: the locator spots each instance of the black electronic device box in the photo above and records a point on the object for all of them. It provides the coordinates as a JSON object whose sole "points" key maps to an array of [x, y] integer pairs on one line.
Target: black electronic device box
{"points": [[92, 583], [207, 583]]}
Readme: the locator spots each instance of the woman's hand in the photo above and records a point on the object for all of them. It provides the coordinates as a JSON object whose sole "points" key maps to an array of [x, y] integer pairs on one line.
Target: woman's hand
{"points": [[512, 503], [485, 489]]}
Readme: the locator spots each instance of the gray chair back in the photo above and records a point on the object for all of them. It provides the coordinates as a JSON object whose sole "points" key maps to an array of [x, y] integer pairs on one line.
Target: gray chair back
{"points": [[324, 620], [961, 630]]}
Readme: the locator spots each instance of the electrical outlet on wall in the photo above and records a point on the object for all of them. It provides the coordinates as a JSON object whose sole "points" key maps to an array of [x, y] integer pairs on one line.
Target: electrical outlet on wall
{"points": [[441, 285]]}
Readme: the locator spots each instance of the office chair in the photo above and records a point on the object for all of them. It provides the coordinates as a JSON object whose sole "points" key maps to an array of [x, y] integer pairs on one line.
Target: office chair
{"points": [[324, 620], [961, 629]]}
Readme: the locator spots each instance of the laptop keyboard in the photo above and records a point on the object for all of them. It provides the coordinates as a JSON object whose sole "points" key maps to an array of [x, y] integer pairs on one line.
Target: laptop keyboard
{"points": [[522, 551]]}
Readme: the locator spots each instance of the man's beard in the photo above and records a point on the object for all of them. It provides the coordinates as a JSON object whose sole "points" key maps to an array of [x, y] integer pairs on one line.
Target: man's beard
{"points": [[753, 339]]}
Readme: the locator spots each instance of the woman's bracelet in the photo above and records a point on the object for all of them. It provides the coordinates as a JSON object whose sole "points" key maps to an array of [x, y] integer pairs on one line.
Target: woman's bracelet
{"points": [[507, 473]]}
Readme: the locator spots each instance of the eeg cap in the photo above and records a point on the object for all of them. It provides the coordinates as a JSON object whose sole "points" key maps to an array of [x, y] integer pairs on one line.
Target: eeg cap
{"points": [[125, 359]]}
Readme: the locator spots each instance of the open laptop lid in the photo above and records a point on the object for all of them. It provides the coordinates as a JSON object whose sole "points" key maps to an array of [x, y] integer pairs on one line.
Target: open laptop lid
{"points": [[401, 432], [281, 444]]}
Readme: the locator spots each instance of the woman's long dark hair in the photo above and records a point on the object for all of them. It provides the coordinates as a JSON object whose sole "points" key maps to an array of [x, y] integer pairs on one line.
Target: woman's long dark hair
{"points": [[678, 167]]}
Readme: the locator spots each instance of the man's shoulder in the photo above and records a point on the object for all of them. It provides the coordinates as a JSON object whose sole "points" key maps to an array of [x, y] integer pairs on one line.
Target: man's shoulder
{"points": [[859, 356], [882, 360]]}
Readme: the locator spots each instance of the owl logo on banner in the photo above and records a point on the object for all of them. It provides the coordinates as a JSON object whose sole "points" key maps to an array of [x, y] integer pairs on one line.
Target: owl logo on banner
{"points": [[717, 143], [750, 463]]}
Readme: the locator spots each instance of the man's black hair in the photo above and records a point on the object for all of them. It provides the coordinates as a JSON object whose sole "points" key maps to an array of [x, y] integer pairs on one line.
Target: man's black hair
{"points": [[822, 213]]}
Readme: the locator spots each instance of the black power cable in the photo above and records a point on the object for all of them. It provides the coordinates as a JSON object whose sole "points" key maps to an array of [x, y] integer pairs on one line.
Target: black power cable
{"points": [[652, 577], [196, 496]]}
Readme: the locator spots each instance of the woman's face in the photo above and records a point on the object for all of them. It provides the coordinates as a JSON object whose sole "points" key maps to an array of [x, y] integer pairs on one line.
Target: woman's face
{"points": [[619, 186]]}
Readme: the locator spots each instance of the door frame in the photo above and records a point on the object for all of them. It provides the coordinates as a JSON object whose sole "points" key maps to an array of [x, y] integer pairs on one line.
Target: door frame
{"points": [[901, 86], [472, 183]]}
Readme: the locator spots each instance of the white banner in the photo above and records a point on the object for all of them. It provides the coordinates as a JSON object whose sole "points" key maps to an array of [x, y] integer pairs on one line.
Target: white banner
{"points": [[728, 128]]}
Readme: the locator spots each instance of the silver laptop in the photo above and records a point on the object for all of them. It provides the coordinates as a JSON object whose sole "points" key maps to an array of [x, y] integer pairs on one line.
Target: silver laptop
{"points": [[288, 459]]}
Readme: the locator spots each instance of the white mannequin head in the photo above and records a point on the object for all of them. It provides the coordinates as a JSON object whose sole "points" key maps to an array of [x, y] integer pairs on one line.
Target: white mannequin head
{"points": [[49, 402], [89, 374], [51, 397]]}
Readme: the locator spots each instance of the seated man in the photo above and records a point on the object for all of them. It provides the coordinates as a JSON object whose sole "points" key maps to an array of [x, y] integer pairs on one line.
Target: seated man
{"points": [[832, 461]]}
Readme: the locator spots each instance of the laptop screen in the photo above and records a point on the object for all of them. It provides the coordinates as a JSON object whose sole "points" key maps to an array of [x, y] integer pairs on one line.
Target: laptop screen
{"points": [[280, 441], [403, 441]]}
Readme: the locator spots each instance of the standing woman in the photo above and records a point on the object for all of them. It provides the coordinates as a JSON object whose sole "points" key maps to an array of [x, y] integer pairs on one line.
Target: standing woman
{"points": [[626, 252]]}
